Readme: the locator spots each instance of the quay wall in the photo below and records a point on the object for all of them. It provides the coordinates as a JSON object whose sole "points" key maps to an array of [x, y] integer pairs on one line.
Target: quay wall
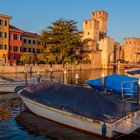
{"points": [[45, 68]]}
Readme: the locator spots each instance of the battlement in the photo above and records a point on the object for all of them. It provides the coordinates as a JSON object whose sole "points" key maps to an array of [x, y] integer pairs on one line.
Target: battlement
{"points": [[100, 15], [129, 41], [90, 24]]}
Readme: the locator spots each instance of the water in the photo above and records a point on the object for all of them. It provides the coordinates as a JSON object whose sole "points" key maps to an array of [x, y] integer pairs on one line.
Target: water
{"points": [[18, 123]]}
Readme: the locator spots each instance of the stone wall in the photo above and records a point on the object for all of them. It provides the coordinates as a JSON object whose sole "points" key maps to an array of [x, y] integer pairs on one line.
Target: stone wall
{"points": [[44, 68], [132, 49]]}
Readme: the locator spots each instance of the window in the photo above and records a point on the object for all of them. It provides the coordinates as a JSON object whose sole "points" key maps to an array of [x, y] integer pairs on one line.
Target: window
{"points": [[1, 34], [5, 23], [5, 35], [16, 37], [24, 49], [29, 41], [5, 47], [1, 46], [24, 40], [10, 48], [15, 48], [29, 49], [33, 50], [33, 41], [11, 37], [1, 22]]}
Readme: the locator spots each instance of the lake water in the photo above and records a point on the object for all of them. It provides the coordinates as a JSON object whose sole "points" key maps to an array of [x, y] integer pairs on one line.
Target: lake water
{"points": [[18, 123]]}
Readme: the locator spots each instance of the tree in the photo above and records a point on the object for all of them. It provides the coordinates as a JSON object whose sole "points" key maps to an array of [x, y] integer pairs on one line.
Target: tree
{"points": [[40, 58], [62, 40], [25, 58]]}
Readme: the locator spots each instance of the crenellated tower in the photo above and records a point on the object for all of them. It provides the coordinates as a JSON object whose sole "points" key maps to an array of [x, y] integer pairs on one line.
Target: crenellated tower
{"points": [[102, 18], [96, 27]]}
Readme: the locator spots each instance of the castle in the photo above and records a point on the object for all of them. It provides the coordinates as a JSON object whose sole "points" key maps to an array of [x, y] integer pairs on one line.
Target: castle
{"points": [[132, 50], [98, 47]]}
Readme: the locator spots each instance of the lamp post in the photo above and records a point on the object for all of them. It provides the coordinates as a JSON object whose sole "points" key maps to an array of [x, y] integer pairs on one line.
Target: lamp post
{"points": [[138, 101]]}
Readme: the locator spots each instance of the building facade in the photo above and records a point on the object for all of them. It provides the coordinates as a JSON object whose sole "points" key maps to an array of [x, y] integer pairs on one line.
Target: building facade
{"points": [[31, 44], [106, 46], [4, 38], [132, 50], [15, 43], [96, 40]]}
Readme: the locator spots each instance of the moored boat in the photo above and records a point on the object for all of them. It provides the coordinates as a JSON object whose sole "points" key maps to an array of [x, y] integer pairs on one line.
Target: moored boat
{"points": [[9, 85], [122, 86], [78, 107]]}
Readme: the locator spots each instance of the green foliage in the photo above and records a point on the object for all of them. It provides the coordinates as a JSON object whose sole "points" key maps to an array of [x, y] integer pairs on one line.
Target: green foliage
{"points": [[40, 58], [25, 58], [62, 40]]}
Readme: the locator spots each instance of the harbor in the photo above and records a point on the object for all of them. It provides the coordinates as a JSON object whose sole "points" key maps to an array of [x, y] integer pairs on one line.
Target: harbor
{"points": [[24, 124]]}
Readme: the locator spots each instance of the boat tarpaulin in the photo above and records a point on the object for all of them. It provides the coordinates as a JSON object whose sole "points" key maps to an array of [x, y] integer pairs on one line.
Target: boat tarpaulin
{"points": [[79, 100], [117, 84]]}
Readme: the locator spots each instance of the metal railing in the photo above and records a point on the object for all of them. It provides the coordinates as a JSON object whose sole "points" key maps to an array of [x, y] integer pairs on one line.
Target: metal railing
{"points": [[129, 89]]}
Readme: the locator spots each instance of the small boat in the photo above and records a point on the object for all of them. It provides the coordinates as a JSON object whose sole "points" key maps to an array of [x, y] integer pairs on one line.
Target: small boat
{"points": [[9, 85], [119, 85], [133, 72], [81, 108]]}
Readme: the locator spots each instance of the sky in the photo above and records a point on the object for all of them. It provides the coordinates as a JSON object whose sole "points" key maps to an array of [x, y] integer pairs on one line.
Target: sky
{"points": [[36, 15]]}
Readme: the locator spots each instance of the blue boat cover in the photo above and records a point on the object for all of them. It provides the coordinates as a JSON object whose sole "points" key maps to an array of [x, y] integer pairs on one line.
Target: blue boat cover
{"points": [[79, 100], [116, 84]]}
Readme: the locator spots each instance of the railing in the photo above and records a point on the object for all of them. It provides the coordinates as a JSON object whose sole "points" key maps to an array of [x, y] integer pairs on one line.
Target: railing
{"points": [[129, 89]]}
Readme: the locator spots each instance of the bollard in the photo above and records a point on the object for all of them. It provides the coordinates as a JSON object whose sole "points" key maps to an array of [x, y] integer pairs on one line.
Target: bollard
{"points": [[76, 78], [38, 75], [51, 71], [25, 76], [103, 81], [65, 77]]}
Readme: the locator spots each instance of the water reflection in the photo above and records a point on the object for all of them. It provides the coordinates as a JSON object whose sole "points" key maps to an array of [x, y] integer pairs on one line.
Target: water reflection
{"points": [[40, 126], [22, 124]]}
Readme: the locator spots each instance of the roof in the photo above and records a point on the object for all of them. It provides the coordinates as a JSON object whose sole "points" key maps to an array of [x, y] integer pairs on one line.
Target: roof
{"points": [[5, 16], [15, 28], [30, 34]]}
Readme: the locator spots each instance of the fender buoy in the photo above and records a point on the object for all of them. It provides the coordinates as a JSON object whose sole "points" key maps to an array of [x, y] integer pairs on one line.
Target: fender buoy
{"points": [[104, 130]]}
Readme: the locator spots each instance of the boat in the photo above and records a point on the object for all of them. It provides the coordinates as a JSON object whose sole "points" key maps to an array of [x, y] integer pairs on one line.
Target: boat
{"points": [[122, 86], [9, 85], [81, 108], [133, 72]]}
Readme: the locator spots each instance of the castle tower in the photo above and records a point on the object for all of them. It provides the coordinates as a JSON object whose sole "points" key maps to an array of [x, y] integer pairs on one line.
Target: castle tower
{"points": [[132, 49], [96, 27], [102, 17], [91, 29]]}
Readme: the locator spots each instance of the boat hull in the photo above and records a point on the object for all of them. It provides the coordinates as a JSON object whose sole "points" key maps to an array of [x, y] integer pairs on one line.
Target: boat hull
{"points": [[8, 88], [67, 118]]}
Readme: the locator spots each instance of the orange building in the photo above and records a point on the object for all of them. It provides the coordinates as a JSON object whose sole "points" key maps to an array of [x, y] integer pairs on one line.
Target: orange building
{"points": [[15, 43], [4, 38]]}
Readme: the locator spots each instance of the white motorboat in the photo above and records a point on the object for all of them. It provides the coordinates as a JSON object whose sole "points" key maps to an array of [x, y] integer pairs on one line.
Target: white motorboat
{"points": [[80, 108], [8, 85]]}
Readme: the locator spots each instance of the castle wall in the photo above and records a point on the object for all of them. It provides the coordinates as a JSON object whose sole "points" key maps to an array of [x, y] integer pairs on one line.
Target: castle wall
{"points": [[107, 51], [132, 49]]}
